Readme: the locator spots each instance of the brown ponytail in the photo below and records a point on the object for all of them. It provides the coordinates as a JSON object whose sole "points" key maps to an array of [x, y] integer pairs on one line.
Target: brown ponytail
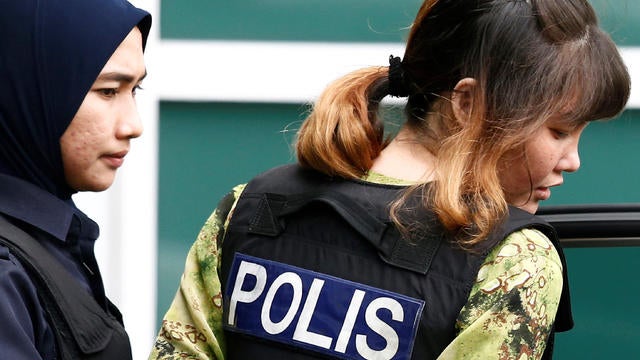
{"points": [[343, 135]]}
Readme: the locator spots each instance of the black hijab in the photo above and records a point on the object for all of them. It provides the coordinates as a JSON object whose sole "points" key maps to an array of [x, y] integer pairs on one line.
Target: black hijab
{"points": [[51, 52]]}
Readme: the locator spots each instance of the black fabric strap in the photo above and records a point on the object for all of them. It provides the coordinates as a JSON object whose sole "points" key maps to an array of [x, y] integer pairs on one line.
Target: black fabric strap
{"points": [[273, 208], [61, 296]]}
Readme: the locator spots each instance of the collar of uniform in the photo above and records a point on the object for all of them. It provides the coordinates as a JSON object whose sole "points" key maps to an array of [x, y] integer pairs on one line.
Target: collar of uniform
{"points": [[81, 229], [29, 203]]}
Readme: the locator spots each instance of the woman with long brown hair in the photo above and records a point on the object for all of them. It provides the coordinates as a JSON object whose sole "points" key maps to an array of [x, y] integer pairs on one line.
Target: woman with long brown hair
{"points": [[422, 244]]}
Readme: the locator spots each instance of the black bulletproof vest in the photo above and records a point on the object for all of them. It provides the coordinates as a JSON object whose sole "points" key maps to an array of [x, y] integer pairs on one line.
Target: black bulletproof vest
{"points": [[83, 330], [340, 228]]}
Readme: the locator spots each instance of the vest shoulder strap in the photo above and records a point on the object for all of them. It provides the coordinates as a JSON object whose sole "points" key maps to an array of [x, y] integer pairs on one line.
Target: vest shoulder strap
{"points": [[272, 210], [520, 219], [79, 324]]}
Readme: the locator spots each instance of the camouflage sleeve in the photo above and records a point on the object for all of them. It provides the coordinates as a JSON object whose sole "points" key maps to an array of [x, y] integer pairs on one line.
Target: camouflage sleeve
{"points": [[513, 303], [192, 327]]}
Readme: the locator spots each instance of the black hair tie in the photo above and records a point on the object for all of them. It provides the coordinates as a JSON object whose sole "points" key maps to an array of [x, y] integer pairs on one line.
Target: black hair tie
{"points": [[397, 84]]}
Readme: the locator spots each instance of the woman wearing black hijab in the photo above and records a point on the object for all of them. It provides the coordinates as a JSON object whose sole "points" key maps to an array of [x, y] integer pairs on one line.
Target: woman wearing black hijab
{"points": [[69, 70]]}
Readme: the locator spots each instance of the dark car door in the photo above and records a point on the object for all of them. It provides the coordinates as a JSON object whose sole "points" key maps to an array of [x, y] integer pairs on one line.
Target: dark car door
{"points": [[604, 292]]}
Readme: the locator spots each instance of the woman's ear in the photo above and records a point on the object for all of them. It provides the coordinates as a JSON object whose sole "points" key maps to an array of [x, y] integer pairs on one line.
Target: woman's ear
{"points": [[462, 99]]}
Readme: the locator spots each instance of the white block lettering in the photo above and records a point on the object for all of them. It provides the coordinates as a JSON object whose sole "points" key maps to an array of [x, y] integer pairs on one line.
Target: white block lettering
{"points": [[302, 332], [349, 321], [296, 283], [243, 296], [381, 328]]}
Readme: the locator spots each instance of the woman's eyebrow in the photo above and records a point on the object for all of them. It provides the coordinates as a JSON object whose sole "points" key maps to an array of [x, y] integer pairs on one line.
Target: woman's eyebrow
{"points": [[120, 77]]}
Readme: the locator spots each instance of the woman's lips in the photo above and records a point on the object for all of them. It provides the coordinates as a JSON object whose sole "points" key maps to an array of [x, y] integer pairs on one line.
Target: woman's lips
{"points": [[543, 193], [115, 160]]}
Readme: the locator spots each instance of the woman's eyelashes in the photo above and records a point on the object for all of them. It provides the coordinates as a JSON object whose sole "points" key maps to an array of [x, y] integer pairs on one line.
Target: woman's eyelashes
{"points": [[111, 92]]}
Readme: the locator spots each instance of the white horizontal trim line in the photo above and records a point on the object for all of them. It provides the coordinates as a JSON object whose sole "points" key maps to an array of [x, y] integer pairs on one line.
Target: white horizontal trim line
{"points": [[281, 72], [277, 72], [631, 56]]}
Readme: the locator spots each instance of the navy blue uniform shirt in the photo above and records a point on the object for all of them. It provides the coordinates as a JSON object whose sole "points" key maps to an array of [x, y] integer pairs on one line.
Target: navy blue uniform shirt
{"points": [[70, 236]]}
